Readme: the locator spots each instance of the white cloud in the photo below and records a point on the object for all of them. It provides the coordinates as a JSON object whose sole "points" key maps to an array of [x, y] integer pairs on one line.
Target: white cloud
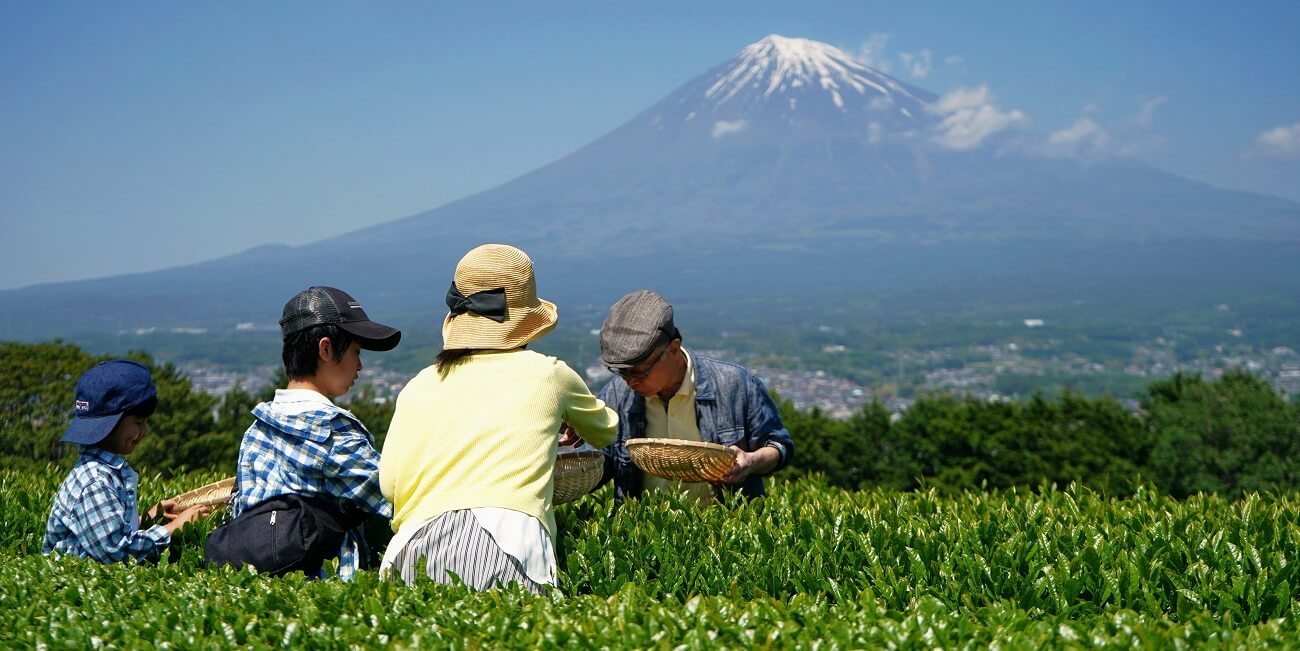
{"points": [[962, 98], [1091, 137], [724, 127], [1283, 141], [916, 65], [1147, 115], [872, 52], [969, 116], [1083, 139], [954, 60], [1082, 130]]}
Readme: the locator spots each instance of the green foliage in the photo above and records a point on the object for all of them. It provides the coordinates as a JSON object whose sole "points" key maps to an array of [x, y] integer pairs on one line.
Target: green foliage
{"points": [[1096, 442], [848, 453], [37, 391], [190, 430], [36, 399], [809, 566], [1057, 553], [1105, 562], [1229, 437], [183, 433], [954, 445]]}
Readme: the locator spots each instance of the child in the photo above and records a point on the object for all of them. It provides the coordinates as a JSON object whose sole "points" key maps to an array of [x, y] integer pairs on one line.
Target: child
{"points": [[301, 443], [95, 514]]}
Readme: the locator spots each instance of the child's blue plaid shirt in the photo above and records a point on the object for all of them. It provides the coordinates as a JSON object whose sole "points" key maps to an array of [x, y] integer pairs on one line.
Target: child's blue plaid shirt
{"points": [[301, 443], [95, 513]]}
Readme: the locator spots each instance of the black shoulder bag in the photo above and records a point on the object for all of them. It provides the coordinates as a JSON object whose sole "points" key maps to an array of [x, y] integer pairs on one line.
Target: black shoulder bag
{"points": [[283, 534]]}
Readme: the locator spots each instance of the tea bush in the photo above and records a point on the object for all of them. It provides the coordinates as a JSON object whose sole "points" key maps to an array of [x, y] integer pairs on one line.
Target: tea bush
{"points": [[810, 566]]}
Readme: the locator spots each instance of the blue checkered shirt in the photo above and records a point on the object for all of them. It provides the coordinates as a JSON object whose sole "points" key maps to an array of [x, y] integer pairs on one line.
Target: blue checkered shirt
{"points": [[95, 513], [301, 443]]}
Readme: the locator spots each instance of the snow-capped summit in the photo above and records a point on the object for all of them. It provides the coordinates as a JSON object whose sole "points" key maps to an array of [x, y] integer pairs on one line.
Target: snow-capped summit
{"points": [[784, 86], [778, 64]]}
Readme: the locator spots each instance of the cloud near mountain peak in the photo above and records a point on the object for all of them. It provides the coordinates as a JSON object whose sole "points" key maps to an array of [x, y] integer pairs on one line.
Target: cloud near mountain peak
{"points": [[969, 116]]}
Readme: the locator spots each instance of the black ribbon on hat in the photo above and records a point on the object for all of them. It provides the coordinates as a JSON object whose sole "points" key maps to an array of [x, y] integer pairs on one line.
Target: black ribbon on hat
{"points": [[490, 303]]}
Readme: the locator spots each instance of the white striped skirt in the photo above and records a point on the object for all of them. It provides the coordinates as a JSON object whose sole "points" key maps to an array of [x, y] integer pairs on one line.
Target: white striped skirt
{"points": [[455, 543]]}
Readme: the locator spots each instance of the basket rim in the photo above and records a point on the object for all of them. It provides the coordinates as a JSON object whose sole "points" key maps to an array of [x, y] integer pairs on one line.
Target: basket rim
{"points": [[578, 454], [684, 443], [578, 462], [190, 498], [662, 458]]}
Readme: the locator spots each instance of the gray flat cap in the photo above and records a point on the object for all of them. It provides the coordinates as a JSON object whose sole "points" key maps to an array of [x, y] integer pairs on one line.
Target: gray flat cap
{"points": [[635, 325]]}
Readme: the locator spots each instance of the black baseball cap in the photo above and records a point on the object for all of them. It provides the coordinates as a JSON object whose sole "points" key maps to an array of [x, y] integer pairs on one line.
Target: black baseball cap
{"points": [[329, 306]]}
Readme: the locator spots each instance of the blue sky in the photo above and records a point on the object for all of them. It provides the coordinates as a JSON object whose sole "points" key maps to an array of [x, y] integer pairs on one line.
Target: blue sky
{"points": [[137, 136]]}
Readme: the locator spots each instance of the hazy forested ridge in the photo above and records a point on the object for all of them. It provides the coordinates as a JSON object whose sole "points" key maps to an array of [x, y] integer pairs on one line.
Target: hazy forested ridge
{"points": [[1229, 436]]}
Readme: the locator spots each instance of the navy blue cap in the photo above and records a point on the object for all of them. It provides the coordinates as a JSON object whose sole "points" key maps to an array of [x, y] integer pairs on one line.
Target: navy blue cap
{"points": [[104, 393]]}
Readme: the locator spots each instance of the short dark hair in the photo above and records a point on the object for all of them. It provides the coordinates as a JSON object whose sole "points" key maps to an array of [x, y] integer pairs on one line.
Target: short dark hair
{"points": [[300, 354]]}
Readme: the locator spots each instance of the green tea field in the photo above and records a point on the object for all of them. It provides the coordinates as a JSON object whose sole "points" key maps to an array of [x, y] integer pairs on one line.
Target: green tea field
{"points": [[809, 567]]}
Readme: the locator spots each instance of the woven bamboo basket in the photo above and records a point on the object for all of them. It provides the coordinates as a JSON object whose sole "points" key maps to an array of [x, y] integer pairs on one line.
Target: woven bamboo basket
{"points": [[214, 495], [693, 461], [576, 473]]}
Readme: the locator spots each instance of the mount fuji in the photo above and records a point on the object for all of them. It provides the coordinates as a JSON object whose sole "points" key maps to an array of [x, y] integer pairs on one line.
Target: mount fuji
{"points": [[791, 168]]}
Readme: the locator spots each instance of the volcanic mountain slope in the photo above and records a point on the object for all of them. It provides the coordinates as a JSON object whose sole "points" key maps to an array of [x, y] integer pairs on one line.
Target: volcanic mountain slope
{"points": [[790, 149], [793, 143]]}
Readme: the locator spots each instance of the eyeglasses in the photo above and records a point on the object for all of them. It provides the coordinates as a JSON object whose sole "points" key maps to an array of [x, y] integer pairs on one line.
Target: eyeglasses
{"points": [[630, 374]]}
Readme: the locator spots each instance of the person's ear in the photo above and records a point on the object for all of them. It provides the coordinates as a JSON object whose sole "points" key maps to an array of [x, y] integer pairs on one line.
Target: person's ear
{"points": [[326, 349]]}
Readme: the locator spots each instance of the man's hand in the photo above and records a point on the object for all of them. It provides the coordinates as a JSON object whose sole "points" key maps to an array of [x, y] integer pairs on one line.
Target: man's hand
{"points": [[758, 462]]}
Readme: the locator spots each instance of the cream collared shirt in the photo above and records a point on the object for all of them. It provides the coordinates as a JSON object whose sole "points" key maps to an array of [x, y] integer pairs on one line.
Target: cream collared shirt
{"points": [[676, 420]]}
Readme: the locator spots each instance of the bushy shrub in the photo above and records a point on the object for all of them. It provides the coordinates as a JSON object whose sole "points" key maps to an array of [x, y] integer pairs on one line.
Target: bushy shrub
{"points": [[1229, 437]]}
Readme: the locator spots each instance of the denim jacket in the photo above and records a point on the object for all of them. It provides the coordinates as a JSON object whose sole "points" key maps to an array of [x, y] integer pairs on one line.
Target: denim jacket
{"points": [[732, 407]]}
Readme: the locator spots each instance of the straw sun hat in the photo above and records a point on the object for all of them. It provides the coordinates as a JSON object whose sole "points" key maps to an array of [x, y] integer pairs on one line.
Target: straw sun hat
{"points": [[493, 301]]}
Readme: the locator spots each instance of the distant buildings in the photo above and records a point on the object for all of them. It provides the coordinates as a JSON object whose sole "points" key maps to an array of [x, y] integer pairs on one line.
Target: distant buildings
{"points": [[992, 371]]}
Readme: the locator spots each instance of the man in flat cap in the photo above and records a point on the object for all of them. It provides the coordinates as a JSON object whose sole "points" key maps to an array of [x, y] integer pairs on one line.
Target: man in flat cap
{"points": [[660, 390]]}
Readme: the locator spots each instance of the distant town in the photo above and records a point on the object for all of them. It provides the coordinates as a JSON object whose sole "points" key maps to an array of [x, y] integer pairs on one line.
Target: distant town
{"points": [[1007, 371]]}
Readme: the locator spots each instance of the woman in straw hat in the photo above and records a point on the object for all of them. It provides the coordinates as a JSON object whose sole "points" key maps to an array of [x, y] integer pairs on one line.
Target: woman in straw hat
{"points": [[470, 452]]}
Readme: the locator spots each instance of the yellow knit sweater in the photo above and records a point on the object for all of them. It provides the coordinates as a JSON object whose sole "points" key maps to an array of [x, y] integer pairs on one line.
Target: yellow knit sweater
{"points": [[484, 434]]}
